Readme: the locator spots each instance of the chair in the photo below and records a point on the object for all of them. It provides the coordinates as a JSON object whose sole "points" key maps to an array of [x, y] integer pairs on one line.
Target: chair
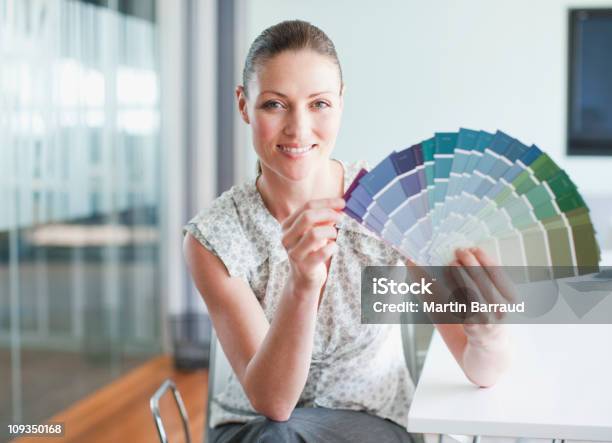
{"points": [[220, 369], [154, 405]]}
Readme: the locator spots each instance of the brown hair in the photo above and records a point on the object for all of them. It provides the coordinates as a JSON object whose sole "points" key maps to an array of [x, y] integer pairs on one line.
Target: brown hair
{"points": [[284, 36]]}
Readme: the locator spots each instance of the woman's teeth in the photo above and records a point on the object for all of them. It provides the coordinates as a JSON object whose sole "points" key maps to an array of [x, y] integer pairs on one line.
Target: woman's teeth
{"points": [[300, 150]]}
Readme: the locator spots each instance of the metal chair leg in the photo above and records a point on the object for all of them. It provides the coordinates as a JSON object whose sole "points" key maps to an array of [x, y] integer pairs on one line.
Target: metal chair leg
{"points": [[154, 405]]}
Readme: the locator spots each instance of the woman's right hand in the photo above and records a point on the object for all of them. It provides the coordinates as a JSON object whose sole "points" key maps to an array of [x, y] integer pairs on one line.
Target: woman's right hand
{"points": [[309, 236]]}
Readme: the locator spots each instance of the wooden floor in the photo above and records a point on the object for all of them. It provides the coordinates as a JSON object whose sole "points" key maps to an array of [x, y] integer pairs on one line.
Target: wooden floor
{"points": [[120, 411]]}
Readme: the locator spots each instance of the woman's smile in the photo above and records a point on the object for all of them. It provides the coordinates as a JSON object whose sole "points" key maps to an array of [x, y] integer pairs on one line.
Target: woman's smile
{"points": [[294, 151]]}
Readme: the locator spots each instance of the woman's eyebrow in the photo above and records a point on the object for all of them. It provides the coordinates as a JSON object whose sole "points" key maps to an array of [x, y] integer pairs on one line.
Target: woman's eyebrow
{"points": [[283, 95]]}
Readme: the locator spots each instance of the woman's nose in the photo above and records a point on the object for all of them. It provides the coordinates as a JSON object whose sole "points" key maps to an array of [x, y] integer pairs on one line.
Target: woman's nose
{"points": [[297, 125]]}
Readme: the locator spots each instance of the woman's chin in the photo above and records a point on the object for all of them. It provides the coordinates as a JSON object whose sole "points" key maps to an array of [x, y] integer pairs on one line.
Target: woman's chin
{"points": [[298, 170], [296, 167]]}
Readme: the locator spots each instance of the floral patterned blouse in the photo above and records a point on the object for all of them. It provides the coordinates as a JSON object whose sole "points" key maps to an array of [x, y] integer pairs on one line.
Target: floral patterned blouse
{"points": [[354, 366]]}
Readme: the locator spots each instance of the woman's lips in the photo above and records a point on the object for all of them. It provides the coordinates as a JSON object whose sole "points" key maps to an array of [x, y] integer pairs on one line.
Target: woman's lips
{"points": [[296, 151]]}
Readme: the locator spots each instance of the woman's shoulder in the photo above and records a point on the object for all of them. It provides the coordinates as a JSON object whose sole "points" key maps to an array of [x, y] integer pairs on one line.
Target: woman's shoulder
{"points": [[220, 228], [227, 207], [220, 211]]}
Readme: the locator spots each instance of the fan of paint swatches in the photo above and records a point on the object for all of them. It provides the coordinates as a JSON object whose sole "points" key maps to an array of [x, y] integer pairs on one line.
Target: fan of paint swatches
{"points": [[472, 188]]}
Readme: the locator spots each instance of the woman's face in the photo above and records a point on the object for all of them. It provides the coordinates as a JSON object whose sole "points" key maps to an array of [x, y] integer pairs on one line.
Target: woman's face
{"points": [[294, 109]]}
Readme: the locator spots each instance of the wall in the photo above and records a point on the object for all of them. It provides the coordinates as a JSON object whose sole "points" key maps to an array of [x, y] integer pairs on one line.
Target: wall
{"points": [[415, 67]]}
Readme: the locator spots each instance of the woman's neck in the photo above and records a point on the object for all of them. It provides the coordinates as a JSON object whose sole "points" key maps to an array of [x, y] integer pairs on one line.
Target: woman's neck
{"points": [[282, 197]]}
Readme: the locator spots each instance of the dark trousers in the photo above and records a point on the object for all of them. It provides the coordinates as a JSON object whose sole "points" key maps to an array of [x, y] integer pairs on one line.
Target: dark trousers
{"points": [[314, 425]]}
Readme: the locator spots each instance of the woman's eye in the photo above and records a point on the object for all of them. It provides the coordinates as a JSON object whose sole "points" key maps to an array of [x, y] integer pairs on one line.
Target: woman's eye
{"points": [[321, 104], [272, 105]]}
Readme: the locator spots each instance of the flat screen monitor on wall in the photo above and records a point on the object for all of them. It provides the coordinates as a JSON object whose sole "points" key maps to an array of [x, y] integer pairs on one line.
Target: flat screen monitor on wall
{"points": [[590, 82]]}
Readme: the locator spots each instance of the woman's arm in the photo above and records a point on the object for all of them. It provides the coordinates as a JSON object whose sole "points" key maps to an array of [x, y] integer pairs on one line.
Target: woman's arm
{"points": [[482, 351], [271, 361]]}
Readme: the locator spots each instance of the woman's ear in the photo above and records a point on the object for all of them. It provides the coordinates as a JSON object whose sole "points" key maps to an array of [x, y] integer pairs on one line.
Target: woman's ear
{"points": [[242, 103], [342, 90]]}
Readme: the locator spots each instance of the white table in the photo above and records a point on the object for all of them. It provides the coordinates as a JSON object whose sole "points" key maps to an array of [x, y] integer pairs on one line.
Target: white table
{"points": [[559, 386]]}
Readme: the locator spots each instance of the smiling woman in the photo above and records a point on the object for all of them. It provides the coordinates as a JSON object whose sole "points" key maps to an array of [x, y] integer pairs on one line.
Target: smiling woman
{"points": [[294, 111], [280, 87], [279, 268]]}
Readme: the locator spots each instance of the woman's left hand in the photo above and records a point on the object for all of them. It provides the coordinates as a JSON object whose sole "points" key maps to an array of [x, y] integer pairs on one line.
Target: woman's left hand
{"points": [[480, 344], [487, 351], [484, 281]]}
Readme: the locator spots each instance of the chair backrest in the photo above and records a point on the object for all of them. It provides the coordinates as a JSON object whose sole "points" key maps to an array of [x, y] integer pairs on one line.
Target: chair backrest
{"points": [[219, 371], [410, 350]]}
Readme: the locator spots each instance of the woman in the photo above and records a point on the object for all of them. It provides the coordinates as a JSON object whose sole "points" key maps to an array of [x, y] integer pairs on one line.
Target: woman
{"points": [[279, 266]]}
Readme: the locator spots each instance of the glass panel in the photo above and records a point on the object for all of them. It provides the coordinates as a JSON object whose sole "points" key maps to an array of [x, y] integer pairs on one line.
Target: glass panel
{"points": [[79, 226]]}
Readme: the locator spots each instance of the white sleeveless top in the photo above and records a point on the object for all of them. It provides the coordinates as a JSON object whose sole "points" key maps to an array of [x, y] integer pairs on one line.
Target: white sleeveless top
{"points": [[354, 366]]}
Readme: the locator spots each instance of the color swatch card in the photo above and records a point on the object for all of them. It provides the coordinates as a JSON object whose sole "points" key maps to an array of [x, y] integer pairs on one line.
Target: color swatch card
{"points": [[473, 188]]}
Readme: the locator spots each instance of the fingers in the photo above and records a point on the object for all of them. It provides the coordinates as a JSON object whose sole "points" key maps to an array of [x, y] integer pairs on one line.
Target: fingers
{"points": [[315, 239], [469, 291], [309, 236], [315, 212], [305, 221], [486, 290], [335, 204], [498, 276], [321, 255]]}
